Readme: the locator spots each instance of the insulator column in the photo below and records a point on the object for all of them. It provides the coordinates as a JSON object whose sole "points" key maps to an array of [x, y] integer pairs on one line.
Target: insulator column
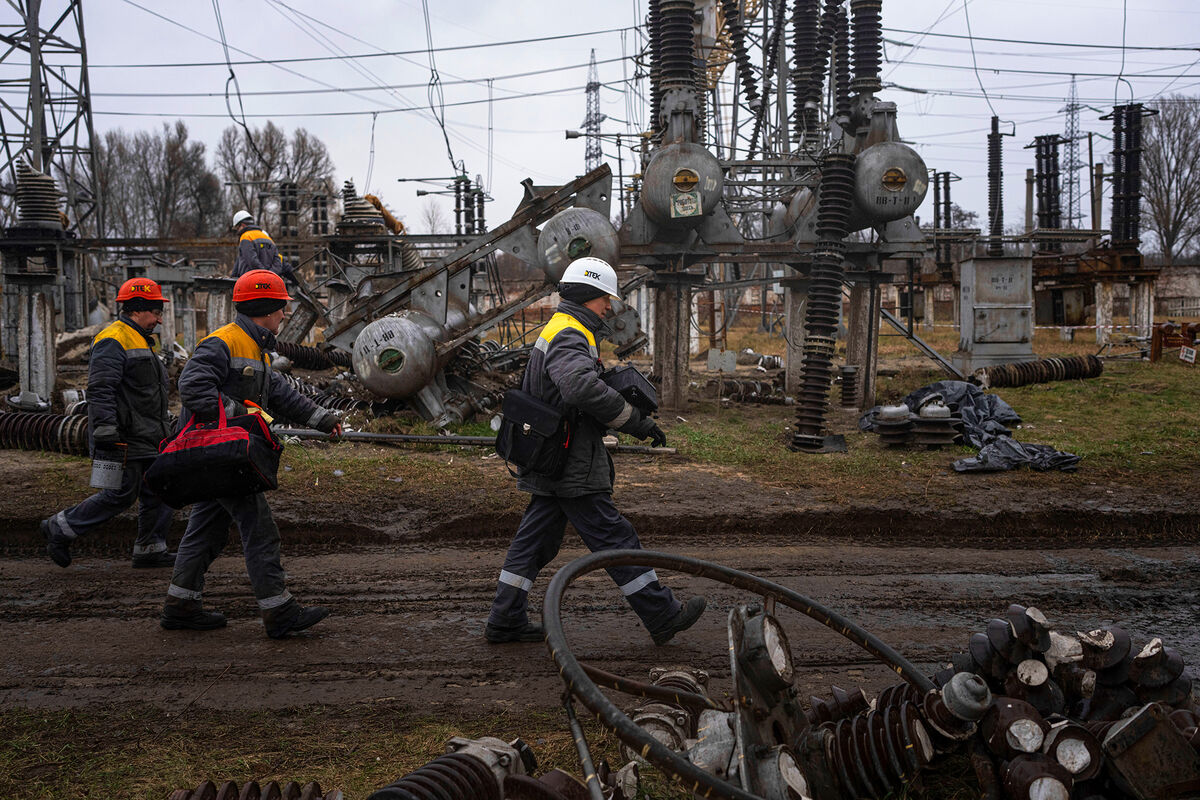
{"points": [[1127, 175], [805, 19], [841, 64], [677, 44], [834, 199], [737, 39], [995, 246], [1048, 187], [868, 45], [654, 29]]}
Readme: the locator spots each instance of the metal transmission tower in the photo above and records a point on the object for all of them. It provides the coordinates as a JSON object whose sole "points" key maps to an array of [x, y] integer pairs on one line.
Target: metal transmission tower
{"points": [[592, 154], [1071, 136], [54, 130]]}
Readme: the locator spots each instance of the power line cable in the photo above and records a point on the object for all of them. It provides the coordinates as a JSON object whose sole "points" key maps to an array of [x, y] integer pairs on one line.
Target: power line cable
{"points": [[1117, 82], [1190, 48], [974, 63], [356, 56], [232, 79], [437, 100]]}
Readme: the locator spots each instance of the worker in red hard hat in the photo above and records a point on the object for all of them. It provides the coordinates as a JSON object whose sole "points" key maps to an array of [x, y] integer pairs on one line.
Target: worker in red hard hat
{"points": [[256, 250], [127, 418], [232, 365]]}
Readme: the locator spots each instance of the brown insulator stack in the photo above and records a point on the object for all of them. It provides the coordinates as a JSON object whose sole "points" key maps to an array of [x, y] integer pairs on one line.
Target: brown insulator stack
{"points": [[1047, 187], [654, 31], [252, 791], [1043, 371], [455, 775], [677, 43], [737, 40], [868, 45], [806, 16], [834, 198], [841, 65], [995, 246], [357, 213], [56, 433], [38, 199], [1127, 174]]}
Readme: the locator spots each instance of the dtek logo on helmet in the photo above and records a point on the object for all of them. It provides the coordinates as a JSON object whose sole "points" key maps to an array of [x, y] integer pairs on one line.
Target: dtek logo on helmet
{"points": [[143, 288], [263, 285], [591, 274]]}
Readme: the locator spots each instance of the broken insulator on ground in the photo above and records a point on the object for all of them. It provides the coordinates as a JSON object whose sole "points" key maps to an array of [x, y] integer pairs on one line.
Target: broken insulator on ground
{"points": [[1030, 682], [893, 424], [1046, 370], [1075, 748], [934, 427], [312, 358], [1013, 727], [472, 769], [673, 724], [22, 430], [1036, 776], [252, 791], [849, 386], [842, 704]]}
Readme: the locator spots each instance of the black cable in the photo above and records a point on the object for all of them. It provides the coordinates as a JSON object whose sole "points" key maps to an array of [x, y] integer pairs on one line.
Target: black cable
{"points": [[437, 100], [353, 56], [1046, 44], [233, 79]]}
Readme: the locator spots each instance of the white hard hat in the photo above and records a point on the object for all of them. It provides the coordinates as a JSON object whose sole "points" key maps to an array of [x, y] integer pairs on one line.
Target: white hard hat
{"points": [[593, 272], [242, 216]]}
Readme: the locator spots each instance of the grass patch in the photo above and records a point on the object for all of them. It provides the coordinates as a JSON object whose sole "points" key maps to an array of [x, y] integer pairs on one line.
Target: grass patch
{"points": [[143, 752]]}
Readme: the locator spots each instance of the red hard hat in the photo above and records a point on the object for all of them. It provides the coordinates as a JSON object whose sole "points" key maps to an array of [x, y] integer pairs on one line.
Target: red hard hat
{"points": [[143, 288], [259, 284]]}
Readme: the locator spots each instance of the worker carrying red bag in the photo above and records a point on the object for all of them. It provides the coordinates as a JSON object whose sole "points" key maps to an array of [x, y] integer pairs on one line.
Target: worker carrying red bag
{"points": [[232, 363]]}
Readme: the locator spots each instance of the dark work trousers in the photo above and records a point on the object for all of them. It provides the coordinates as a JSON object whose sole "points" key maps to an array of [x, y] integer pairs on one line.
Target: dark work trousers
{"points": [[205, 537], [153, 518], [601, 527]]}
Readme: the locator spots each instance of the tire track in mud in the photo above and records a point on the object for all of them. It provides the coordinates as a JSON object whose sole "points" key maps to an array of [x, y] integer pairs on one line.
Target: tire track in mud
{"points": [[408, 621]]}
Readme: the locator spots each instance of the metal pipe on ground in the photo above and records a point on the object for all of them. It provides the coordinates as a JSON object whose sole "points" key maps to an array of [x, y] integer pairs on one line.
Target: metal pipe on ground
{"points": [[462, 441]]}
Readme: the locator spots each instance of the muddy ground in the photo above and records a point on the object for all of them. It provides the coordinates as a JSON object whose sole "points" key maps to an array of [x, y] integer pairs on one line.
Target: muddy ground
{"points": [[409, 567]]}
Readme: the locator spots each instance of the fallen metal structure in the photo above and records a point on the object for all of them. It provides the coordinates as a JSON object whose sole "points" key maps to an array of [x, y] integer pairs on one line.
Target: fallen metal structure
{"points": [[1041, 715]]}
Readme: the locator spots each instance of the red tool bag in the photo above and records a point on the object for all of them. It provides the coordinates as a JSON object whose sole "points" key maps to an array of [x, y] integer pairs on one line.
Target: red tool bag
{"points": [[227, 458]]}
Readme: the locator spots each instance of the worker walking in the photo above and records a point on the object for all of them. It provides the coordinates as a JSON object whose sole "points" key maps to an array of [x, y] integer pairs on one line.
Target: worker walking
{"points": [[127, 414], [564, 371], [231, 365], [256, 250]]}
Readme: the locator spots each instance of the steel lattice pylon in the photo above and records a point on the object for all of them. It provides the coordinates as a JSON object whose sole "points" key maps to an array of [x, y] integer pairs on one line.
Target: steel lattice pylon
{"points": [[1072, 217], [593, 153], [54, 129]]}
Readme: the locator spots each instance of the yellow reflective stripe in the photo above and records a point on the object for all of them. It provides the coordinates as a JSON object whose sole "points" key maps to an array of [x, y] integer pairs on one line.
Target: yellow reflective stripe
{"points": [[560, 322], [124, 335], [240, 343]]}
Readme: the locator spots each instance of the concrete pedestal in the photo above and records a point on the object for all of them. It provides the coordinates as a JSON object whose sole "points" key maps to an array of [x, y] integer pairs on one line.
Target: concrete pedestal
{"points": [[862, 343], [1141, 308], [672, 336], [37, 365], [1104, 311], [795, 302]]}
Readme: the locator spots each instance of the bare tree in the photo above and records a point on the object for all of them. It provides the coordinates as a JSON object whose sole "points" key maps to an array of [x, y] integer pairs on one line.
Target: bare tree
{"points": [[1171, 175], [434, 217], [257, 165], [157, 183]]}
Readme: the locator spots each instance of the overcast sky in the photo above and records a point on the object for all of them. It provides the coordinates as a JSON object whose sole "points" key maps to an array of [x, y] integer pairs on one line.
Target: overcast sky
{"points": [[948, 122]]}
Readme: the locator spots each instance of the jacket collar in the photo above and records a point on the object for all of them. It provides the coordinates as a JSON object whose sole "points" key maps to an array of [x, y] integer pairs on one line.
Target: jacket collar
{"points": [[590, 319], [149, 337], [261, 336]]}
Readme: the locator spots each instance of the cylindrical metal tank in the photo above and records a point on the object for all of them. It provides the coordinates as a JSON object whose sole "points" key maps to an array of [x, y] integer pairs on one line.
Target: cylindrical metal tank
{"points": [[574, 233], [682, 184], [890, 183], [396, 355]]}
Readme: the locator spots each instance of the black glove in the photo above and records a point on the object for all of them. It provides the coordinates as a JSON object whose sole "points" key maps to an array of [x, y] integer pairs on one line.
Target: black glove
{"points": [[656, 436], [646, 428], [327, 423], [106, 436]]}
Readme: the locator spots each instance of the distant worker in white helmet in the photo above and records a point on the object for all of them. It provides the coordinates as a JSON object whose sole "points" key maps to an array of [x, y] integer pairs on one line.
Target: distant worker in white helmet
{"points": [[256, 250], [564, 371]]}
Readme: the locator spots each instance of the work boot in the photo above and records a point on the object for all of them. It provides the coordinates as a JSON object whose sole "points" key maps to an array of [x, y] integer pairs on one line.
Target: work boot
{"points": [[291, 617], [58, 546], [685, 619], [179, 614], [153, 560], [528, 632]]}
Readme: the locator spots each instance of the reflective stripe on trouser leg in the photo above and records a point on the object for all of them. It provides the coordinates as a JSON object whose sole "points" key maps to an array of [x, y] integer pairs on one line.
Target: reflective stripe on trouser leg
{"points": [[181, 593], [260, 543], [154, 516], [602, 527], [100, 507], [534, 545], [205, 537]]}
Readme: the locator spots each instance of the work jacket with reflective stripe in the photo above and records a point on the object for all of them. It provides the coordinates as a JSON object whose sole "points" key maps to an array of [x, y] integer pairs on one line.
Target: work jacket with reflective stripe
{"points": [[232, 361], [256, 250], [127, 389], [564, 371]]}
